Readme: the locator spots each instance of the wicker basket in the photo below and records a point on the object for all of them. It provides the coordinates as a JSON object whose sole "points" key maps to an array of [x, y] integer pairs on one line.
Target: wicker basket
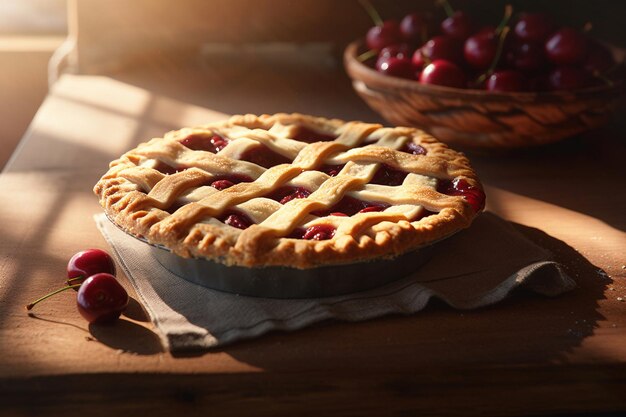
{"points": [[476, 119]]}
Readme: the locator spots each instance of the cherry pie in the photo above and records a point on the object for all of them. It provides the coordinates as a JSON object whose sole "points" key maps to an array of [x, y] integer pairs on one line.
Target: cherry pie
{"points": [[291, 190]]}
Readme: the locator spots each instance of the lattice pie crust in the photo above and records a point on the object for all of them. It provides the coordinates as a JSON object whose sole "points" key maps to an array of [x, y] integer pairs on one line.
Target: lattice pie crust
{"points": [[359, 191]]}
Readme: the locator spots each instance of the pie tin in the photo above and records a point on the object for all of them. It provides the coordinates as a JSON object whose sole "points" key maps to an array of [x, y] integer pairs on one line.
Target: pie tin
{"points": [[285, 282]]}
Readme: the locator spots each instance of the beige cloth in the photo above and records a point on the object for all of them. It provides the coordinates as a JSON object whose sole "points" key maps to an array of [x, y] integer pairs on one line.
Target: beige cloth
{"points": [[474, 268]]}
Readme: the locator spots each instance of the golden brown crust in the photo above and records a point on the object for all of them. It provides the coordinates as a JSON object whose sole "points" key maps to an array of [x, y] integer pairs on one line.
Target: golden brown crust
{"points": [[180, 210]]}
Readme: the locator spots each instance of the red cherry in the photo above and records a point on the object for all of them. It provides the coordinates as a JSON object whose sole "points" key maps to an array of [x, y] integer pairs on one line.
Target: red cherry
{"points": [[101, 299], [214, 143], [480, 50], [443, 73], [385, 175], [534, 27], [506, 80], [285, 194], [350, 206], [304, 134], [526, 56], [331, 170], [459, 25], [415, 27], [599, 59], [395, 67], [567, 47], [263, 156], [371, 209], [236, 219], [384, 35], [87, 263], [401, 50], [166, 169], [223, 182], [568, 78], [473, 195], [319, 232], [486, 30], [413, 148], [439, 47]]}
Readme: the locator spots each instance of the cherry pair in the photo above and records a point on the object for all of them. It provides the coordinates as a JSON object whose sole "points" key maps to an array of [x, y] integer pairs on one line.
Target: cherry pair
{"points": [[100, 298]]}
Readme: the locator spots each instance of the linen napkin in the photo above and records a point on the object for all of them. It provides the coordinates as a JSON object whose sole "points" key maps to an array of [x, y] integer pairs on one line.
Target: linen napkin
{"points": [[477, 267]]}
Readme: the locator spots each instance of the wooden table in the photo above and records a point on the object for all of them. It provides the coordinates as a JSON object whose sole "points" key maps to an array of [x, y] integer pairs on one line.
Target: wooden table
{"points": [[527, 355]]}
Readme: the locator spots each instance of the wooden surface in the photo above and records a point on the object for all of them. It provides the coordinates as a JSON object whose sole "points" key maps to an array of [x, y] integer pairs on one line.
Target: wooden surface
{"points": [[527, 355]]}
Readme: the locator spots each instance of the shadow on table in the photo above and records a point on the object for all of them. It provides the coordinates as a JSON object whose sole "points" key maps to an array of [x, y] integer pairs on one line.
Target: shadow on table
{"points": [[580, 173], [524, 328], [126, 335]]}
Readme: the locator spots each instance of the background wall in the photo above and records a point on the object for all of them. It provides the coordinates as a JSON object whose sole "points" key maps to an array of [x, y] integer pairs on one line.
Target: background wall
{"points": [[112, 34], [30, 31], [121, 29]]}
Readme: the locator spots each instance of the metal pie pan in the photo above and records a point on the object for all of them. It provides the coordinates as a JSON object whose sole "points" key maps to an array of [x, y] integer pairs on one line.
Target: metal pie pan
{"points": [[284, 282]]}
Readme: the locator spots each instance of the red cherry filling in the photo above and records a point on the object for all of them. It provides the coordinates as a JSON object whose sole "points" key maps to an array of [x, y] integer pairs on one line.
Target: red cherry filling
{"points": [[285, 194], [331, 170], [388, 176], [413, 148], [264, 156], [316, 232], [474, 195], [212, 144], [304, 134], [166, 169], [236, 219], [224, 181], [350, 206]]}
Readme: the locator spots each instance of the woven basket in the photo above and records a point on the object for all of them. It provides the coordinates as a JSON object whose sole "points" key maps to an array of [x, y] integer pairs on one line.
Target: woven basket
{"points": [[477, 119]]}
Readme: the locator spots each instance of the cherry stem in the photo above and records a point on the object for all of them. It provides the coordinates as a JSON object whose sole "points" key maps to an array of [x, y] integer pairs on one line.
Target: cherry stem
{"points": [[426, 59], [367, 55], [446, 7], [508, 12], [78, 278], [37, 301], [496, 58], [371, 11], [604, 78]]}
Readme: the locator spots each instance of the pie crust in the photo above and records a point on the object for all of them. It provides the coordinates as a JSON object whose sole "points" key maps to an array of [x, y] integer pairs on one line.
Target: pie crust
{"points": [[171, 195]]}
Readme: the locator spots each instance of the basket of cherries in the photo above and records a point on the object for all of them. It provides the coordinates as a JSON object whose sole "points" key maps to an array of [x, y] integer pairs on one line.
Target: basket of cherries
{"points": [[522, 82]]}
